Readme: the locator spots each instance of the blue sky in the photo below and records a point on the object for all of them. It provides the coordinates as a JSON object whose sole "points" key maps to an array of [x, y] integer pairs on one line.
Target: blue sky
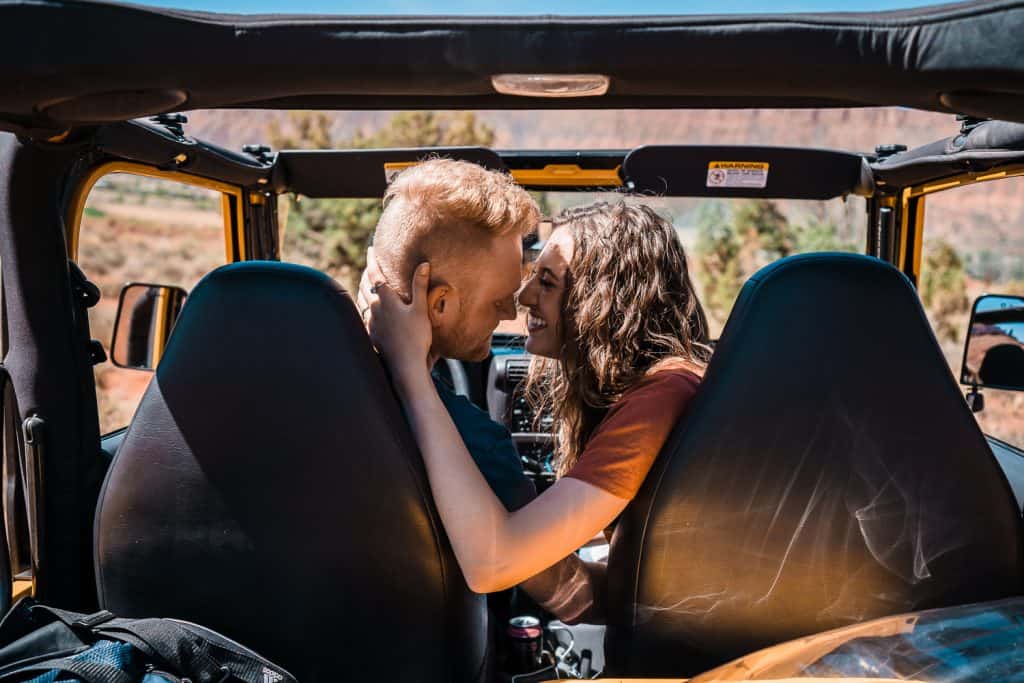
{"points": [[513, 7]]}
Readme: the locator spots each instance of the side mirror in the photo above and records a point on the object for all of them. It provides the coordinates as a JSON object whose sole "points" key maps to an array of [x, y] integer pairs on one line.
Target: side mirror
{"points": [[994, 350], [145, 315]]}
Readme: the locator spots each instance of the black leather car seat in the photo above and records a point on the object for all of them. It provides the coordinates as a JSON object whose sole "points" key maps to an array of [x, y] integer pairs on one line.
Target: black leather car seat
{"points": [[269, 488], [828, 472]]}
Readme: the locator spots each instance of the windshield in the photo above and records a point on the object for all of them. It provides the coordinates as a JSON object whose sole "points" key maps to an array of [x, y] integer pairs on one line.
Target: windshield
{"points": [[728, 240], [956, 645], [331, 234]]}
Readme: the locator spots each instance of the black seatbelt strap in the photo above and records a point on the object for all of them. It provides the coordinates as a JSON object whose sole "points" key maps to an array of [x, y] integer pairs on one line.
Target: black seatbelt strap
{"points": [[87, 295], [90, 672], [6, 575], [179, 649]]}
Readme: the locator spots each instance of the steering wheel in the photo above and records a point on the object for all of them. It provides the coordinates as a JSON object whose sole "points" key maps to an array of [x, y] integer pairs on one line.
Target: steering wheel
{"points": [[460, 380]]}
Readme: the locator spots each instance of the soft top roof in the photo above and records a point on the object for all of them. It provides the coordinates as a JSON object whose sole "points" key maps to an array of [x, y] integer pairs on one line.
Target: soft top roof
{"points": [[77, 62]]}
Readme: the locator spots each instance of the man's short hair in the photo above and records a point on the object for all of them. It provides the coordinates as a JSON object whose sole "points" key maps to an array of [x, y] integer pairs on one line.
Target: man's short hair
{"points": [[442, 208]]}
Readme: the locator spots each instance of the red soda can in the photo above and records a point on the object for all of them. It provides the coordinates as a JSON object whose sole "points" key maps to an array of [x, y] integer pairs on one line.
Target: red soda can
{"points": [[524, 635]]}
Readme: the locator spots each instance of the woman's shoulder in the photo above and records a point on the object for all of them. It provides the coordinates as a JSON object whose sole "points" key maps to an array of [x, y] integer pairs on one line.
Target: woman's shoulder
{"points": [[674, 375], [624, 445], [663, 392]]}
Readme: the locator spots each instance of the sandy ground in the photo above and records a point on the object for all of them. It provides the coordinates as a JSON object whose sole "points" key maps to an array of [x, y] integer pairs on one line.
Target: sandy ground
{"points": [[176, 245]]}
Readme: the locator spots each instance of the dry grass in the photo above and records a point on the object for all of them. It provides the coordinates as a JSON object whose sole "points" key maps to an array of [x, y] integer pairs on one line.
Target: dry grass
{"points": [[176, 243], [159, 243]]}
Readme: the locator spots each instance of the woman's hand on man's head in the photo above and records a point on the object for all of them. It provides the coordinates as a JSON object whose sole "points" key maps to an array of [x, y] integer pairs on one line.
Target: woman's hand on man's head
{"points": [[401, 331], [365, 284]]}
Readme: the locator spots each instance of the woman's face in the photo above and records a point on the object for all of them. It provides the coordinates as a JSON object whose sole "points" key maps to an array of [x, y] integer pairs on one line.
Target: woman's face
{"points": [[543, 294]]}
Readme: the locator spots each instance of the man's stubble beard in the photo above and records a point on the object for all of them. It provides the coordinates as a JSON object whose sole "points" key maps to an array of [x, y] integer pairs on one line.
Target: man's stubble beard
{"points": [[458, 347]]}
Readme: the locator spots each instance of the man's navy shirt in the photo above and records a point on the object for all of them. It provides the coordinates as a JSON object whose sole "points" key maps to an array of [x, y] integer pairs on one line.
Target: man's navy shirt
{"points": [[492, 448]]}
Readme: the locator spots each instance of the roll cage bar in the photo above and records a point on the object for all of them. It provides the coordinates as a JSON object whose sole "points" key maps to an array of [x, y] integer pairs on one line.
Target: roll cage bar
{"points": [[48, 353], [980, 148], [893, 180]]}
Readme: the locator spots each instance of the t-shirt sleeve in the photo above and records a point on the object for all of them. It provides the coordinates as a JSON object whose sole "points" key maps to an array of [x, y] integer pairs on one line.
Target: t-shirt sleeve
{"points": [[624, 445]]}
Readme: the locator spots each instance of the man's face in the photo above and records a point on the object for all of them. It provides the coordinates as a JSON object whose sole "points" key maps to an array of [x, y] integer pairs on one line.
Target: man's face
{"points": [[484, 295]]}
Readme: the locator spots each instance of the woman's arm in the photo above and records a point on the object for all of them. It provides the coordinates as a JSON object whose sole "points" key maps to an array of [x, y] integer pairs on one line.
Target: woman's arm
{"points": [[571, 589], [495, 549]]}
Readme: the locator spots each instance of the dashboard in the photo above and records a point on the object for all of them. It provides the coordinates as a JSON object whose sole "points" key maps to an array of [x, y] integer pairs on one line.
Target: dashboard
{"points": [[498, 390], [507, 405]]}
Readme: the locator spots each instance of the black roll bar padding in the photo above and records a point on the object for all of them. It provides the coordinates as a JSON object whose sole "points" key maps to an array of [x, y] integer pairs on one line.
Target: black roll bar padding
{"points": [[147, 143], [34, 429], [361, 172], [48, 359], [684, 171], [6, 574]]}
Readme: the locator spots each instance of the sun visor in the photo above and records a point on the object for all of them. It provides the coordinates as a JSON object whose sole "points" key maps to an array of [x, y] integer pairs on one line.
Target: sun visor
{"points": [[363, 172], [769, 172]]}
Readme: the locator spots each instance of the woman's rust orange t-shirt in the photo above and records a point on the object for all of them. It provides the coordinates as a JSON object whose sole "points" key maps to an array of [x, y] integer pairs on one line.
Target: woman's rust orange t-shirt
{"points": [[626, 442]]}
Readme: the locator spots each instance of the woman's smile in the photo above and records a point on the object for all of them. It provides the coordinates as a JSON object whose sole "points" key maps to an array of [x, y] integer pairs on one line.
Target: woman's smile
{"points": [[543, 295]]}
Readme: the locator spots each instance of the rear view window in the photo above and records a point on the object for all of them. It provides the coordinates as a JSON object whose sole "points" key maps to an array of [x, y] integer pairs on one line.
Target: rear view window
{"points": [[138, 229]]}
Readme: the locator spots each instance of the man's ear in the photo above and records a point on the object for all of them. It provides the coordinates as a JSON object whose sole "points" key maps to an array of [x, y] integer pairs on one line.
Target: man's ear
{"points": [[441, 301]]}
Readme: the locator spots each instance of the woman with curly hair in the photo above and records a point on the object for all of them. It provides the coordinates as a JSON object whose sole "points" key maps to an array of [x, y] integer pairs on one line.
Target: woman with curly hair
{"points": [[619, 341]]}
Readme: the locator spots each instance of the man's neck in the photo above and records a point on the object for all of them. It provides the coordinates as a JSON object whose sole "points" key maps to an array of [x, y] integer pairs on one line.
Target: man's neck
{"points": [[432, 358]]}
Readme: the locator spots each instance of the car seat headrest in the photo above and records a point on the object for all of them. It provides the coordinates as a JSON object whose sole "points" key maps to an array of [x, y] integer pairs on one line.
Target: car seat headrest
{"points": [[269, 488], [828, 472]]}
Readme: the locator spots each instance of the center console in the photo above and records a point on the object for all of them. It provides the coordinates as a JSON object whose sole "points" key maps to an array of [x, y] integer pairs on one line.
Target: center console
{"points": [[536, 647], [507, 405]]}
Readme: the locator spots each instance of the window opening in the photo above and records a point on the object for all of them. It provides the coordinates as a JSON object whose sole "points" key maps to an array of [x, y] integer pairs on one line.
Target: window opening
{"points": [[142, 229]]}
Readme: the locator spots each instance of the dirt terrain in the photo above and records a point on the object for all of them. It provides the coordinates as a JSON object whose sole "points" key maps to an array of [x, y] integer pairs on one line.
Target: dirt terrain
{"points": [[166, 241], [176, 239]]}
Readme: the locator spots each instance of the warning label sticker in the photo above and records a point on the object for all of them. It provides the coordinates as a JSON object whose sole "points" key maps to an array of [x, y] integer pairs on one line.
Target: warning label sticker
{"points": [[737, 174], [393, 168]]}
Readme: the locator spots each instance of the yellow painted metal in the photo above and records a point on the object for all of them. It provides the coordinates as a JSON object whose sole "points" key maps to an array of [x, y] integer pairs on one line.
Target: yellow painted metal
{"points": [[909, 231], [393, 167], [567, 175], [552, 175], [939, 187], [901, 253], [913, 221], [231, 204], [966, 179], [916, 226], [160, 311], [229, 232], [21, 588]]}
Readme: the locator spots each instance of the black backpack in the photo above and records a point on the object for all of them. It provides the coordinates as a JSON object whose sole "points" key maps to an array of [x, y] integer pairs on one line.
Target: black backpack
{"points": [[44, 644]]}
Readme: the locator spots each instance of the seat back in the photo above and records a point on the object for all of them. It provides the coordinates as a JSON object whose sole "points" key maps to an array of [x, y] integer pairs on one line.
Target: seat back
{"points": [[828, 472], [269, 488]]}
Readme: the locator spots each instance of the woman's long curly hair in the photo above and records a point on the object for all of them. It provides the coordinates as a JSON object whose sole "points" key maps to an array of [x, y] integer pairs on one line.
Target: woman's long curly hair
{"points": [[629, 306]]}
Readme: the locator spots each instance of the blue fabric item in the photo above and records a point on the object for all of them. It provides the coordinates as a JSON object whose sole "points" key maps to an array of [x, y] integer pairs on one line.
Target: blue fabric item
{"points": [[112, 653], [151, 677], [492, 449]]}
